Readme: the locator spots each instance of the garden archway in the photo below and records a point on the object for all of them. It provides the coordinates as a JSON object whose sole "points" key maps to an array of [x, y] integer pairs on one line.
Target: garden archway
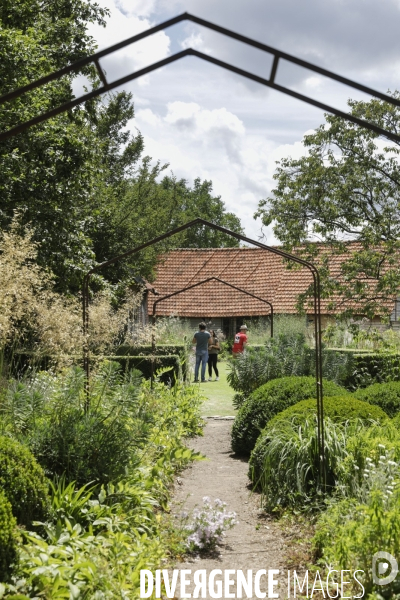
{"points": [[194, 285], [285, 255]]}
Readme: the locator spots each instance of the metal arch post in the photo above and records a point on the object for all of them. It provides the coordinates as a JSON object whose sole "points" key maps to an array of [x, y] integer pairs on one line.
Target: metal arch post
{"points": [[317, 312]]}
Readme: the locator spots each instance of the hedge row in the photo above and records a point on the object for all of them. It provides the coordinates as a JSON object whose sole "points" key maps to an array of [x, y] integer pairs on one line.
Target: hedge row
{"points": [[160, 350], [269, 400], [143, 363]]}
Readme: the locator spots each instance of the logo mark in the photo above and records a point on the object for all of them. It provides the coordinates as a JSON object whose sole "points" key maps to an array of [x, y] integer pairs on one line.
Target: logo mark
{"points": [[380, 565]]}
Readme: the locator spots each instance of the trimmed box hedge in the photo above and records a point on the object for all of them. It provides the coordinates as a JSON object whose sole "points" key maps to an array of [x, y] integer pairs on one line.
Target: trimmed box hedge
{"points": [[385, 395], [144, 364], [267, 401], [337, 408], [147, 349], [177, 370]]}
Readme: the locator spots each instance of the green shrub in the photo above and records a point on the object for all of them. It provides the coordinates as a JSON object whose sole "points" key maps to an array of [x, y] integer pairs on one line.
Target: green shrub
{"points": [[370, 368], [370, 444], [289, 472], [8, 543], [337, 408], [282, 356], [385, 395], [147, 349], [89, 445], [350, 532], [270, 399], [23, 482], [171, 363]]}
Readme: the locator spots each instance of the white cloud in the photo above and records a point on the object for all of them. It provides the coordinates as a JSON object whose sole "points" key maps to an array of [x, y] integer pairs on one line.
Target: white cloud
{"points": [[213, 124], [214, 144], [138, 8], [122, 25]]}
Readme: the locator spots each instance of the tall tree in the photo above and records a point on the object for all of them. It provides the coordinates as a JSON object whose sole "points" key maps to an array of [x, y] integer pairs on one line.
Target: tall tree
{"points": [[346, 188], [150, 208], [48, 173]]}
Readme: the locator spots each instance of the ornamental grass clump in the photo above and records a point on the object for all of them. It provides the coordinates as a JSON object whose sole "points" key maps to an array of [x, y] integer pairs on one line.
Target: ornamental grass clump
{"points": [[209, 524], [267, 401]]}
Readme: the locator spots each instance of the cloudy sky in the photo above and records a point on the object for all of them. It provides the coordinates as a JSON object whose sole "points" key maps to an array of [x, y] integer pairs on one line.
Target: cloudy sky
{"points": [[209, 123]]}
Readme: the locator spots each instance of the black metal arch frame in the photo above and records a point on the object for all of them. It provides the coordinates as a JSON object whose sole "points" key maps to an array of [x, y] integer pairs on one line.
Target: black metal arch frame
{"points": [[317, 314], [270, 82], [190, 287]]}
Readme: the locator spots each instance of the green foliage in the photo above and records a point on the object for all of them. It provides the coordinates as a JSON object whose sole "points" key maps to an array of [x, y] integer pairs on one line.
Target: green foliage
{"points": [[66, 439], [168, 367], [351, 531], [374, 368], [282, 356], [143, 350], [385, 395], [345, 186], [289, 424], [23, 482], [270, 399], [8, 538], [98, 538], [286, 466]]}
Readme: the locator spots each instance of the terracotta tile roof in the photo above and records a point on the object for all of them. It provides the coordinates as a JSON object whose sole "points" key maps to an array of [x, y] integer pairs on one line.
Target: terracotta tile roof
{"points": [[259, 272]]}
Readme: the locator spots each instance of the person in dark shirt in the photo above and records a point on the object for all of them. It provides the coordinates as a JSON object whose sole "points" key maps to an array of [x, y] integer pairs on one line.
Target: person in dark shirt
{"points": [[202, 340]]}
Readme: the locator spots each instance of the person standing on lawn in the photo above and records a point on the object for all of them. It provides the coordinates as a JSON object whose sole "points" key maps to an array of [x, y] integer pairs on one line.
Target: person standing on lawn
{"points": [[240, 341], [213, 350], [202, 339]]}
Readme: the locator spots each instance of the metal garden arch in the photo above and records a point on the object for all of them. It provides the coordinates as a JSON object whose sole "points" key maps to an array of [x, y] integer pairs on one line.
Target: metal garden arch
{"points": [[270, 82], [317, 312], [194, 285]]}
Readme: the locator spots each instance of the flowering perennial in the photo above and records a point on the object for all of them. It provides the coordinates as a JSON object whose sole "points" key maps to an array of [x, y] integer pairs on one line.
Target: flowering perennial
{"points": [[208, 525]]}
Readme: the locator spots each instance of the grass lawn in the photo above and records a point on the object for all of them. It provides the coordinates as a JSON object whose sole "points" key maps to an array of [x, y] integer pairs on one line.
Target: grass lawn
{"points": [[219, 395]]}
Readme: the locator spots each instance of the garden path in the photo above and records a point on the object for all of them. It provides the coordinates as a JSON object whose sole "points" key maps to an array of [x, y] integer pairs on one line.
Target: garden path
{"points": [[256, 542]]}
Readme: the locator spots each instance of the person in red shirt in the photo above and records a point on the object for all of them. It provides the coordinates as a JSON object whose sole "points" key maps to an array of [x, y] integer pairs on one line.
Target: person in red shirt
{"points": [[240, 341]]}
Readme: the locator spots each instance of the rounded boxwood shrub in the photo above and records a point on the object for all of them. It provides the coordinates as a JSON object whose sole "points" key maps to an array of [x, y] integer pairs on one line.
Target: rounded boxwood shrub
{"points": [[267, 401], [23, 482], [338, 408], [8, 542], [385, 395]]}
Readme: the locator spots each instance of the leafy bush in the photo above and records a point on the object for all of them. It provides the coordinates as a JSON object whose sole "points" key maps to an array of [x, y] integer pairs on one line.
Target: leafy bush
{"points": [[95, 445], [385, 395], [147, 349], [96, 541], [350, 532], [8, 544], [282, 356], [268, 400], [170, 364], [23, 482], [288, 424], [370, 368], [369, 444], [287, 470]]}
